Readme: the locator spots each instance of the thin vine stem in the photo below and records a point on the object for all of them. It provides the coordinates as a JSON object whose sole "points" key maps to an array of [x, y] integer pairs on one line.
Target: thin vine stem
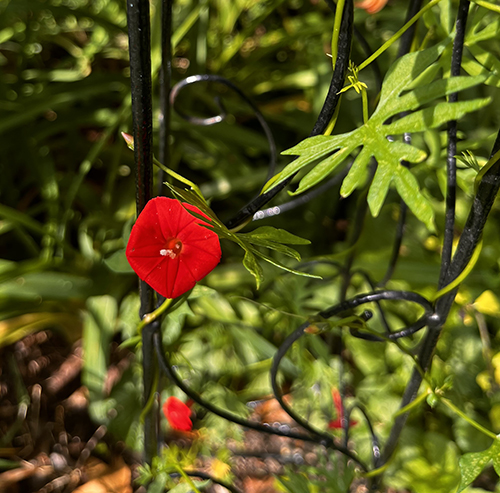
{"points": [[464, 416], [407, 38], [396, 36], [488, 5], [151, 317], [186, 478], [339, 12]]}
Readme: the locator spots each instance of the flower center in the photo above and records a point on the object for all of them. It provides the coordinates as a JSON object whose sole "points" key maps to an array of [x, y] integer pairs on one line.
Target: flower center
{"points": [[172, 248]]}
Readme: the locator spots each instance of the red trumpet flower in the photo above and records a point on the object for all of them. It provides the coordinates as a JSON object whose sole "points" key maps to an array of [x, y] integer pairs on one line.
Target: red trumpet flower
{"points": [[178, 414], [169, 249], [337, 423]]}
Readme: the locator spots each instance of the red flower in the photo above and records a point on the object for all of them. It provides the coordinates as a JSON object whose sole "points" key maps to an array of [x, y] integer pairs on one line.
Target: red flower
{"points": [[178, 414], [337, 423], [169, 249]]}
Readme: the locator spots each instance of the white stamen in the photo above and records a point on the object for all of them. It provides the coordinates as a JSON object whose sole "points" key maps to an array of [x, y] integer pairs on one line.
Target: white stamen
{"points": [[168, 253]]}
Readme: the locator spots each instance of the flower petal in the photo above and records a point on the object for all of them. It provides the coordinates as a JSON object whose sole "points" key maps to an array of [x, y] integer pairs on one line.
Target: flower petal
{"points": [[170, 272], [178, 414]]}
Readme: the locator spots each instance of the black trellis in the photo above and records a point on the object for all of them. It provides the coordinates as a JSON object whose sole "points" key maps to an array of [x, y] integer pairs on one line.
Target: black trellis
{"points": [[435, 314]]}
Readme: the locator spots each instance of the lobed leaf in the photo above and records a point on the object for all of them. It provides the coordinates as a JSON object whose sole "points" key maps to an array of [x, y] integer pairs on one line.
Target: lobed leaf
{"points": [[435, 116], [434, 90], [414, 71], [403, 71]]}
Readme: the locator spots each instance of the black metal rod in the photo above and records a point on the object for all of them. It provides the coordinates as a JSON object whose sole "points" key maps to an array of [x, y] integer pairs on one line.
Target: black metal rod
{"points": [[140, 80], [376, 453], [451, 162], [338, 77], [193, 79], [407, 37], [302, 199]]}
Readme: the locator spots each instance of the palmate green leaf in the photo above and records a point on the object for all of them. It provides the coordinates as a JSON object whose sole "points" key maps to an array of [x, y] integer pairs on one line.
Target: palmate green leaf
{"points": [[407, 87], [472, 464]]}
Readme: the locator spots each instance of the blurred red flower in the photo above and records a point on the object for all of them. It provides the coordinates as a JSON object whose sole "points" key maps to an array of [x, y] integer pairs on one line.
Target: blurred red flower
{"points": [[372, 6], [169, 249], [337, 423], [178, 414]]}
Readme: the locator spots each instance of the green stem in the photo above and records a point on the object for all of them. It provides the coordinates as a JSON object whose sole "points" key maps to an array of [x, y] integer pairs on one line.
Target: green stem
{"points": [[151, 397], [462, 276], [187, 478], [178, 177], [151, 317], [333, 121], [487, 5], [469, 420], [396, 36], [336, 30], [364, 96]]}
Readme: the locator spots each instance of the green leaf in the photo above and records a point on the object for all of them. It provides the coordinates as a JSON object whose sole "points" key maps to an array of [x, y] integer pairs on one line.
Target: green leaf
{"points": [[159, 483], [407, 87], [401, 75], [118, 263], [435, 116], [407, 187], [492, 30], [277, 235], [379, 188], [98, 328], [284, 267], [251, 265], [272, 238], [290, 252], [472, 464]]}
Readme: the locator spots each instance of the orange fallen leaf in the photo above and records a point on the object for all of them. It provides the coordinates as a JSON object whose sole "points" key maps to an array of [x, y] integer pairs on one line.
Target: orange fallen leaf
{"points": [[115, 478]]}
